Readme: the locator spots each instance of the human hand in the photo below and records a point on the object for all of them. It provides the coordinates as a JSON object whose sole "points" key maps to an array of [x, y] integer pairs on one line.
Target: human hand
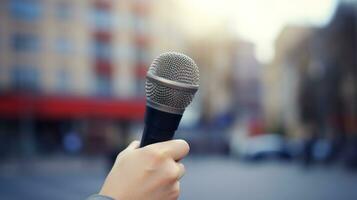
{"points": [[149, 173]]}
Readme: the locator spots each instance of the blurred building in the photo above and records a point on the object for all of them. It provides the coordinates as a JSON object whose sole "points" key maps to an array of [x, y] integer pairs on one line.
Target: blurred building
{"points": [[282, 78], [97, 47], [332, 72], [58, 58], [44, 47], [310, 85], [230, 78], [247, 80], [68, 66], [215, 58]]}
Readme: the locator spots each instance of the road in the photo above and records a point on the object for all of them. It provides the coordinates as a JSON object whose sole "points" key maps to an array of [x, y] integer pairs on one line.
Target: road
{"points": [[209, 178]]}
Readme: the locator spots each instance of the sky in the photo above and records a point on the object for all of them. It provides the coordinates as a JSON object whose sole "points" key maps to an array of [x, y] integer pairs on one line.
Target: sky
{"points": [[258, 21]]}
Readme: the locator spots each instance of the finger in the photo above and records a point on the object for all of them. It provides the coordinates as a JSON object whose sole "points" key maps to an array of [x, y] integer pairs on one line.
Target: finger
{"points": [[133, 145], [181, 170], [176, 149], [176, 190]]}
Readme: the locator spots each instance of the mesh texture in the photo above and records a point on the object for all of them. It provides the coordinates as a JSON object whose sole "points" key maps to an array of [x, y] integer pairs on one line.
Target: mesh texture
{"points": [[175, 67]]}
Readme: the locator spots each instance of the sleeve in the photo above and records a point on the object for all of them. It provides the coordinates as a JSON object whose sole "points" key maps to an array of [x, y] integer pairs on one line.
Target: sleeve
{"points": [[99, 197]]}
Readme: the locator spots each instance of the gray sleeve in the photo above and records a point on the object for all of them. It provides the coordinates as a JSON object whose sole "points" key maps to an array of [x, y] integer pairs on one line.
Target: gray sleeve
{"points": [[99, 197]]}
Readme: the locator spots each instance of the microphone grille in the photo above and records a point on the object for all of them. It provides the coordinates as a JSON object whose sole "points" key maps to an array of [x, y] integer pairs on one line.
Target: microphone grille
{"points": [[176, 67], [182, 75]]}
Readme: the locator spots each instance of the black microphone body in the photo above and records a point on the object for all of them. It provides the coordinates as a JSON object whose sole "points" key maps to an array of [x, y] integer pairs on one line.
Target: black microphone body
{"points": [[171, 83], [159, 126]]}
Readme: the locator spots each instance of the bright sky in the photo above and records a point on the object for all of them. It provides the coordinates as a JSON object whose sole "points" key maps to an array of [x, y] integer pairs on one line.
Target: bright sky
{"points": [[259, 21]]}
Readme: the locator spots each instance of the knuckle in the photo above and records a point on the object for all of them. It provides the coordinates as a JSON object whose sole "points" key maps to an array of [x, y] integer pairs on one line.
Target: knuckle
{"points": [[156, 157], [175, 194], [183, 168], [176, 191], [172, 174], [159, 155], [120, 156]]}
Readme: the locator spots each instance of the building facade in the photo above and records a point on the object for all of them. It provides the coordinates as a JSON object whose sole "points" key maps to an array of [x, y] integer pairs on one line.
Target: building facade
{"points": [[80, 48]]}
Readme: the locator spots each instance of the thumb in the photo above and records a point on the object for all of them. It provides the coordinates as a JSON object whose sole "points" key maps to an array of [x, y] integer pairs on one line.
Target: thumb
{"points": [[133, 145]]}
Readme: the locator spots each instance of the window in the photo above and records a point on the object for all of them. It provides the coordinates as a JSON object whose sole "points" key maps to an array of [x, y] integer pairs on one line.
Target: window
{"points": [[63, 81], [25, 42], [140, 87], [126, 51], [103, 86], [142, 55], [102, 19], [25, 78], [64, 11], [140, 25], [2, 85], [102, 50], [27, 10], [63, 46]]}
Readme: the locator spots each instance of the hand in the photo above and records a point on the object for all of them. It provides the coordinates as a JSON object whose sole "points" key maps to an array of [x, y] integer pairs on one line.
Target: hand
{"points": [[149, 173]]}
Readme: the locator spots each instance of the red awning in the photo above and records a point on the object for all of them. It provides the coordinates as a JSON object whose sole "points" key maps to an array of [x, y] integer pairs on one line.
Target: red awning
{"points": [[58, 107]]}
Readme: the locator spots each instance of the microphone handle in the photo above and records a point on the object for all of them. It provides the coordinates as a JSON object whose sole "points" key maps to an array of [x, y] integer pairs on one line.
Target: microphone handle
{"points": [[159, 126]]}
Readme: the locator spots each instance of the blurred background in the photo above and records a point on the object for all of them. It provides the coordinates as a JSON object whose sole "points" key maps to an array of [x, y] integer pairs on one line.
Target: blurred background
{"points": [[275, 116]]}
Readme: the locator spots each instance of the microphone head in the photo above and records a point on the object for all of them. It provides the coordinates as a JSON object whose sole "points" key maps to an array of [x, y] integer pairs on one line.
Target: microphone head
{"points": [[171, 82]]}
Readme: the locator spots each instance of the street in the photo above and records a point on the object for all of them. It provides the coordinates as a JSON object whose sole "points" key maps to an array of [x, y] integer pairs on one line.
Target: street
{"points": [[208, 178]]}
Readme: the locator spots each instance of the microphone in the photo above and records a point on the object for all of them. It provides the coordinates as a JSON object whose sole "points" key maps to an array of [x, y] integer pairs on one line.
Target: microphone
{"points": [[171, 83]]}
